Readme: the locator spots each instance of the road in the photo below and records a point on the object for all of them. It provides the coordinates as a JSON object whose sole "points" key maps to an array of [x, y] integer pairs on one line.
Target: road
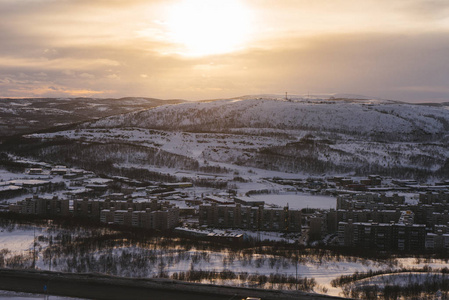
{"points": [[96, 286]]}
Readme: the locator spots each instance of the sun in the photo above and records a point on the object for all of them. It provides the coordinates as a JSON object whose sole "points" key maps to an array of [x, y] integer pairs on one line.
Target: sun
{"points": [[208, 27]]}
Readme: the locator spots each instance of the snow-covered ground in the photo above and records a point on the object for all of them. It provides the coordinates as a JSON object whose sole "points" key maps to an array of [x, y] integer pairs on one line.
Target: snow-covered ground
{"points": [[322, 269], [18, 240], [28, 296], [298, 200], [403, 279], [250, 127], [350, 133], [261, 112], [8, 178], [238, 147]]}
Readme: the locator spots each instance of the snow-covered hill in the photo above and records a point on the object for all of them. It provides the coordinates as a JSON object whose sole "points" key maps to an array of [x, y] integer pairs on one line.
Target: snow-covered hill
{"points": [[355, 116], [25, 115], [312, 135]]}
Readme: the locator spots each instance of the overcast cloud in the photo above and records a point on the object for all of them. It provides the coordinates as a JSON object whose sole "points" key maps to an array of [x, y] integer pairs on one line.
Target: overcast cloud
{"points": [[389, 49]]}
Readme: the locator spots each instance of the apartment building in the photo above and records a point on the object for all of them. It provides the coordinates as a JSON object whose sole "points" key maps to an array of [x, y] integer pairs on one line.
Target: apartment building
{"points": [[165, 219], [250, 217], [365, 215], [92, 208], [41, 206], [147, 214], [382, 236]]}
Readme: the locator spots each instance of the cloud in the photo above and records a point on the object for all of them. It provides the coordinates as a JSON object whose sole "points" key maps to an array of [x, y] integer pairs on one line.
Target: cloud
{"points": [[87, 76], [420, 88], [54, 47], [68, 72], [55, 92], [394, 66], [373, 64], [426, 10], [113, 76]]}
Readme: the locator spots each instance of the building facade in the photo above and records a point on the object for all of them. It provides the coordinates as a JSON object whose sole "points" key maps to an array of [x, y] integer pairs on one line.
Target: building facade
{"points": [[250, 217]]}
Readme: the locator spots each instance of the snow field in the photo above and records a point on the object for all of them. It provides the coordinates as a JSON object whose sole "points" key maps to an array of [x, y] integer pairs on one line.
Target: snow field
{"points": [[298, 201], [177, 259]]}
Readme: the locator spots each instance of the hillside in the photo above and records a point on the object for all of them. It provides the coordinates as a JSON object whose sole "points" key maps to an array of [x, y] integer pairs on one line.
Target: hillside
{"points": [[27, 115], [311, 136], [358, 117]]}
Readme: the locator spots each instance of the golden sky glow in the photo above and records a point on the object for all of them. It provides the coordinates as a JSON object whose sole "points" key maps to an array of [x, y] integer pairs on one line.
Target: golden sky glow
{"points": [[204, 27], [201, 49]]}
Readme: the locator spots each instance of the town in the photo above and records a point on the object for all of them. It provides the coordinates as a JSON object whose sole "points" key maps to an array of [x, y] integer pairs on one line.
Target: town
{"points": [[370, 213]]}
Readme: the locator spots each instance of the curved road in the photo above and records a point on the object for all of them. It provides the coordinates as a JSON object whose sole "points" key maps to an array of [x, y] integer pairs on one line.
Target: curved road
{"points": [[96, 286]]}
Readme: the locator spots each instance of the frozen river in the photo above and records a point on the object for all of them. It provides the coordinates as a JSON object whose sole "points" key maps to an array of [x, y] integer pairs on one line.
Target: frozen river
{"points": [[298, 201]]}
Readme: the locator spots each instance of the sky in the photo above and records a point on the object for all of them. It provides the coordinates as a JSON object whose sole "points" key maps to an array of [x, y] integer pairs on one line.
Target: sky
{"points": [[210, 49]]}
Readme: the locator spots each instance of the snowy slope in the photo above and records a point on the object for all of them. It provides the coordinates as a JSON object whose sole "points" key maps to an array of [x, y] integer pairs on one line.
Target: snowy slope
{"points": [[31, 114], [348, 115], [312, 135]]}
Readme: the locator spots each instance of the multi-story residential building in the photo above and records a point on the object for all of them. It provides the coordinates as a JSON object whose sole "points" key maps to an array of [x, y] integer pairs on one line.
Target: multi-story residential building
{"points": [[369, 201], [437, 241], [167, 218], [317, 226], [382, 236], [332, 221], [440, 218], [432, 197], [365, 215], [91, 208], [41, 206], [147, 214], [250, 217]]}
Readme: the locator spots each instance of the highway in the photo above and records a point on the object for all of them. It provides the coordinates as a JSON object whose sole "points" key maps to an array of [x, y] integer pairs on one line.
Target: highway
{"points": [[97, 286]]}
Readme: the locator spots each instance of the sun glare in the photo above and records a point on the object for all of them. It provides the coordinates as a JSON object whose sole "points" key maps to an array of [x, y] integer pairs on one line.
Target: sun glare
{"points": [[205, 27]]}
